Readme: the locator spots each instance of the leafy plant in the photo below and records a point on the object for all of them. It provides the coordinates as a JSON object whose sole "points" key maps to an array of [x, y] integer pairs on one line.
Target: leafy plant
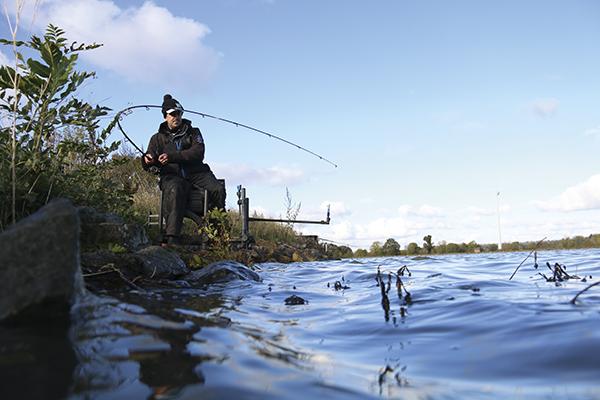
{"points": [[53, 145], [216, 230]]}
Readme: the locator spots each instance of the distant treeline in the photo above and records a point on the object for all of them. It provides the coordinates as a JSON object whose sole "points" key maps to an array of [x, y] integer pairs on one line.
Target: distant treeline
{"points": [[392, 248]]}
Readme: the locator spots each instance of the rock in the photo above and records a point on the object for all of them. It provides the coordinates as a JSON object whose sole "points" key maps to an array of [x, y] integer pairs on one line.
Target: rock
{"points": [[100, 230], [39, 260], [296, 257], [314, 254], [159, 263], [95, 260], [222, 271], [294, 300]]}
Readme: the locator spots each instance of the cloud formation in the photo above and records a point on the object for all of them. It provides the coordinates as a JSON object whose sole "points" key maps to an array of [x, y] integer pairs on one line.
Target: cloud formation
{"points": [[545, 107], [146, 43], [583, 196], [486, 212], [593, 131], [337, 208], [275, 176], [422, 211]]}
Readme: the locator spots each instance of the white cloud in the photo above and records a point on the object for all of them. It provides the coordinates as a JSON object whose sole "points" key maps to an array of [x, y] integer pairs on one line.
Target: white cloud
{"points": [[337, 208], [146, 43], [421, 211], [485, 212], [272, 176], [592, 131], [545, 107], [583, 196]]}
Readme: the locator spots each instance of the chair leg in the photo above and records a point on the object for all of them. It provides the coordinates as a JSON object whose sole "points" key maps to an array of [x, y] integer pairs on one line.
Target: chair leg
{"points": [[160, 216], [205, 202]]}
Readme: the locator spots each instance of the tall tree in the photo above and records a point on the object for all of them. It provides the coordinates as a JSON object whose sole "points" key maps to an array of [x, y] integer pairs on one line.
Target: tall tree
{"points": [[427, 245], [390, 248]]}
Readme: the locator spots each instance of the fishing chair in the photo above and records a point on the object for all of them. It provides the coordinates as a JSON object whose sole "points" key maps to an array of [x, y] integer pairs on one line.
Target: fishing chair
{"points": [[196, 216]]}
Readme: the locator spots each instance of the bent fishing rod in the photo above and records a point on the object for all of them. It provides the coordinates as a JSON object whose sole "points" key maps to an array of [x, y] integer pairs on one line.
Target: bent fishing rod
{"points": [[129, 110]]}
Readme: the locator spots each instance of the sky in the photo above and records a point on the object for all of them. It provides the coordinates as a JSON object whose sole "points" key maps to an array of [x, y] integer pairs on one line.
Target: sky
{"points": [[464, 120]]}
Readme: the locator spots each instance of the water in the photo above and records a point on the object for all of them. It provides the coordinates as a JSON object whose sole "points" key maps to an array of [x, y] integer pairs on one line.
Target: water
{"points": [[469, 332]]}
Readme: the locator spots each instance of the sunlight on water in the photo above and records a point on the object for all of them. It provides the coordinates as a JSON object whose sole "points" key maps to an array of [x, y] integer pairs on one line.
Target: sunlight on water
{"points": [[465, 331]]}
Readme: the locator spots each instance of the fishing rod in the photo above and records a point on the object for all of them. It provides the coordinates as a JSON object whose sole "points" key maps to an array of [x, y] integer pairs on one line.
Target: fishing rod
{"points": [[129, 110]]}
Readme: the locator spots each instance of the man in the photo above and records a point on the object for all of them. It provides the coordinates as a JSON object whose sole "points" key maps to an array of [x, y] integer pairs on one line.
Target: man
{"points": [[177, 149]]}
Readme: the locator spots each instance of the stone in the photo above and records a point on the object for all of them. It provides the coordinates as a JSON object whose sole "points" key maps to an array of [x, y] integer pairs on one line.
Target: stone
{"points": [[39, 260], [159, 263], [104, 229], [294, 300], [222, 271]]}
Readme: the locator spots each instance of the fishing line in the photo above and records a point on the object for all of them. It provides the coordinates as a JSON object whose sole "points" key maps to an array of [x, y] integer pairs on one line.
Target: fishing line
{"points": [[129, 110]]}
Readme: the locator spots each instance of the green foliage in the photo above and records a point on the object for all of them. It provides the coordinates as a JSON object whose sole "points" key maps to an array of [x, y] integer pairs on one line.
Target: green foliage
{"points": [[390, 248], [334, 251], [361, 253], [375, 249], [127, 174], [116, 248], [216, 230], [427, 245], [412, 248], [273, 232], [53, 146]]}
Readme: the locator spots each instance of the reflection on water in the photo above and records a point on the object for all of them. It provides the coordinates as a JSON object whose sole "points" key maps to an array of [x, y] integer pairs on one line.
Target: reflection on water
{"points": [[443, 327], [36, 356]]}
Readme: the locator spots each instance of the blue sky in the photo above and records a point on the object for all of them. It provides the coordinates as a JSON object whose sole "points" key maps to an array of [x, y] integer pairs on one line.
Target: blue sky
{"points": [[429, 108]]}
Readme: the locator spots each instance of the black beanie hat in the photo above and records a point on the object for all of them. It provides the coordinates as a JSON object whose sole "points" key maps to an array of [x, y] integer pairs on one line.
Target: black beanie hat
{"points": [[170, 104]]}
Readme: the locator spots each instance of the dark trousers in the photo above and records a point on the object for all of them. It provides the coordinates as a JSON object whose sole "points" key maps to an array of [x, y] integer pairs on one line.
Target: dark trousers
{"points": [[180, 194]]}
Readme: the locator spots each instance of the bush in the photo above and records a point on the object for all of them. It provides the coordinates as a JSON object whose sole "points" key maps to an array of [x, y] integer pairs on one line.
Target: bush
{"points": [[52, 147]]}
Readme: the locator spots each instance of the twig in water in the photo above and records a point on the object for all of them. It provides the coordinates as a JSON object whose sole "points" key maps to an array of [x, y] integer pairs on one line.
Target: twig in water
{"points": [[584, 290], [98, 273], [534, 248], [112, 269]]}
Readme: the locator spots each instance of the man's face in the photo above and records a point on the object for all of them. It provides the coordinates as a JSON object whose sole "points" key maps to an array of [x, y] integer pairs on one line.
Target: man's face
{"points": [[173, 119]]}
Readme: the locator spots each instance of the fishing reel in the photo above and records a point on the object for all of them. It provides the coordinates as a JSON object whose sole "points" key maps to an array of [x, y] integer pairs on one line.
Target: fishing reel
{"points": [[154, 170]]}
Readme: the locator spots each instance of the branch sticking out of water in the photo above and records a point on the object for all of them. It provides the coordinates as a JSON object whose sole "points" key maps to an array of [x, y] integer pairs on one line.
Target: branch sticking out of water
{"points": [[559, 273], [528, 255], [584, 290]]}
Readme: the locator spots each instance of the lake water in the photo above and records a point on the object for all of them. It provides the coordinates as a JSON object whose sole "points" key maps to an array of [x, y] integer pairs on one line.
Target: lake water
{"points": [[467, 332]]}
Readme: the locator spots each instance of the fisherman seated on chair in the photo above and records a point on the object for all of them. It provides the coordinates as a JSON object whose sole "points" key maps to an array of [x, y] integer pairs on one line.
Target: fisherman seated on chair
{"points": [[177, 149]]}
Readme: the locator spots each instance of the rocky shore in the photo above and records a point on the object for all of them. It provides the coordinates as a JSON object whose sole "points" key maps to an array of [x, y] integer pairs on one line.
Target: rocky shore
{"points": [[56, 252]]}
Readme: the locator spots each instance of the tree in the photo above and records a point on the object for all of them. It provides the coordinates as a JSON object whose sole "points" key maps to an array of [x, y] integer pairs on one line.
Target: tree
{"points": [[334, 251], [361, 253], [412, 248], [427, 245], [390, 248], [375, 249], [452, 248]]}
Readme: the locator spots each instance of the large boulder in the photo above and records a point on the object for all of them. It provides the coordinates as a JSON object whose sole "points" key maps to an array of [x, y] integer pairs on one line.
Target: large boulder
{"points": [[158, 263], [39, 260], [222, 271], [98, 230]]}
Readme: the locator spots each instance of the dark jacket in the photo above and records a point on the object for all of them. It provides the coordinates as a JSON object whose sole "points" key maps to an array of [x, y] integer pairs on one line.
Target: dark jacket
{"points": [[185, 149]]}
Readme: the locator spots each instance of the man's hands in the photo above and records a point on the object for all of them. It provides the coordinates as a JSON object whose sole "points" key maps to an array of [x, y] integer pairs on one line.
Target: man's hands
{"points": [[163, 158]]}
